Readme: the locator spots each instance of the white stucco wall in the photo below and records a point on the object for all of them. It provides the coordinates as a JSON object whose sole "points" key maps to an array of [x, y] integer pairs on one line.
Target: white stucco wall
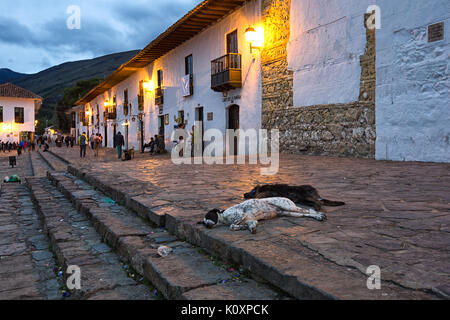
{"points": [[327, 39], [412, 94], [205, 47], [8, 105]]}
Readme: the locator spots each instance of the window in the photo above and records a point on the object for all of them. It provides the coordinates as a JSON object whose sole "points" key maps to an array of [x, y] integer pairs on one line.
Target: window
{"points": [[160, 78], [98, 116], [159, 92], [188, 87], [19, 115], [82, 117], [1, 114], [232, 42], [141, 96], [188, 66], [125, 102]]}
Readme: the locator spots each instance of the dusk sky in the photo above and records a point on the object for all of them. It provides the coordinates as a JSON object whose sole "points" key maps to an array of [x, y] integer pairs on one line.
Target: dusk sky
{"points": [[34, 34]]}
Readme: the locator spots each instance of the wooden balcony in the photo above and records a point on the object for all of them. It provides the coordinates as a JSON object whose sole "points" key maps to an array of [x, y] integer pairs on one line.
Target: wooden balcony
{"points": [[226, 72], [111, 113], [159, 96]]}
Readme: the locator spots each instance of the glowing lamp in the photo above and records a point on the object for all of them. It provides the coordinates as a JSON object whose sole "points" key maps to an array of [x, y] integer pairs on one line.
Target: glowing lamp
{"points": [[148, 85], [250, 34], [255, 36], [106, 103]]}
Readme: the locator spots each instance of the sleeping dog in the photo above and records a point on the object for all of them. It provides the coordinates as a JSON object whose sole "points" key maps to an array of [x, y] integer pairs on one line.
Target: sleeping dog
{"points": [[246, 214], [304, 195]]}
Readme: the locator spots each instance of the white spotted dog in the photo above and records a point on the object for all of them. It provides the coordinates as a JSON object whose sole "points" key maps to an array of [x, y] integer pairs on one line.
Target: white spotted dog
{"points": [[246, 214]]}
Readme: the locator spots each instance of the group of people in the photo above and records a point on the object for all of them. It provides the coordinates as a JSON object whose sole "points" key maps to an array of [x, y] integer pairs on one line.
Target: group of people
{"points": [[22, 146], [67, 140], [156, 145], [95, 141]]}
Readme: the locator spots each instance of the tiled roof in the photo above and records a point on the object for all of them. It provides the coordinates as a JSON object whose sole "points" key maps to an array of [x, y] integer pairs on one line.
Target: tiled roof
{"points": [[195, 21], [13, 91]]}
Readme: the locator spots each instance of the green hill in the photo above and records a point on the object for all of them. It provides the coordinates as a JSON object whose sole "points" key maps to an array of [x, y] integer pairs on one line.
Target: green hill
{"points": [[50, 83], [7, 75]]}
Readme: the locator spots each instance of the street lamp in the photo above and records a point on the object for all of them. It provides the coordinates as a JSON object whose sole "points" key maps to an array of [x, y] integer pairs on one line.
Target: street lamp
{"points": [[148, 85]]}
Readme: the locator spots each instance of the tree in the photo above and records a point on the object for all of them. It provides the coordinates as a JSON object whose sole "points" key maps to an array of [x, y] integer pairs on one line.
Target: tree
{"points": [[71, 95]]}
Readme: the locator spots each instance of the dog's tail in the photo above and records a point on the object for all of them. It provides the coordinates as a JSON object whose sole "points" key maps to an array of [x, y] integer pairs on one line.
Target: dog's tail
{"points": [[330, 203]]}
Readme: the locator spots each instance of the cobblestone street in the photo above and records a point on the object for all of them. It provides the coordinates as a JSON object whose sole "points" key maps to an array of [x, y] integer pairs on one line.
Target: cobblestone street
{"points": [[396, 217]]}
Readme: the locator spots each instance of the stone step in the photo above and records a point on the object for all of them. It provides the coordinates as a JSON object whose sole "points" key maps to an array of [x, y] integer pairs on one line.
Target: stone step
{"points": [[318, 278], [185, 273], [53, 161], [74, 241], [39, 164], [26, 262]]}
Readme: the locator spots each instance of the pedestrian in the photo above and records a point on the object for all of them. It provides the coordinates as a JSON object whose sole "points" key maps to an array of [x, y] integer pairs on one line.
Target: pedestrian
{"points": [[83, 141], [92, 139], [97, 144], [72, 141], [119, 141]]}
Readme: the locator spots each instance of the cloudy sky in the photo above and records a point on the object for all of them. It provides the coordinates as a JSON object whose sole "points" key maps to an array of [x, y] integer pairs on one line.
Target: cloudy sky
{"points": [[34, 33]]}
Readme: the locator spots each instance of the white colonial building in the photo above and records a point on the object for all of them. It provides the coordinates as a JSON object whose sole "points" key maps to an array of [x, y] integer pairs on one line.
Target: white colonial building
{"points": [[17, 113], [360, 78], [200, 69]]}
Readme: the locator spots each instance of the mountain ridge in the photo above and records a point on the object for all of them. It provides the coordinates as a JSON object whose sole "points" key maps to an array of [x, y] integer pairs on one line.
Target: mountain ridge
{"points": [[50, 83]]}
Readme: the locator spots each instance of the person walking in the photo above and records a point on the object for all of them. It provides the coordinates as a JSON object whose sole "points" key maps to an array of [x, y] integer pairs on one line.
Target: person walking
{"points": [[72, 141], [97, 144], [119, 141], [92, 138], [83, 141]]}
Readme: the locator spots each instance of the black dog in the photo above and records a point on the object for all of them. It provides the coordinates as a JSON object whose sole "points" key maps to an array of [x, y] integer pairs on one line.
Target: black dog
{"points": [[306, 195]]}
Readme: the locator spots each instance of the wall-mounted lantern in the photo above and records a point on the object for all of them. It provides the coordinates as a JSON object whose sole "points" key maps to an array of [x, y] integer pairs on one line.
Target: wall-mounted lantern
{"points": [[255, 36], [148, 85]]}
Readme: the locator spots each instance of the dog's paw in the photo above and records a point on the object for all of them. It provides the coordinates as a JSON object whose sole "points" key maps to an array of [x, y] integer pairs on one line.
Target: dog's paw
{"points": [[321, 216]]}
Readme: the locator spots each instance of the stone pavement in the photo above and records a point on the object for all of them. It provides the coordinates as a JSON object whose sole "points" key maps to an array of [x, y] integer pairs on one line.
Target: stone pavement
{"points": [[27, 265], [396, 217], [55, 220]]}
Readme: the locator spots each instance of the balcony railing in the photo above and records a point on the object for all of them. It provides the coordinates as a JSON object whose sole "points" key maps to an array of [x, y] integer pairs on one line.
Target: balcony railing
{"points": [[159, 96], [226, 72], [111, 113]]}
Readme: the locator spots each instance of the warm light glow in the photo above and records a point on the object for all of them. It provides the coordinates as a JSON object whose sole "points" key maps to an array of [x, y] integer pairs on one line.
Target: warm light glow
{"points": [[88, 113], [125, 124], [250, 34], [52, 131], [148, 85], [36, 122], [255, 36], [7, 127], [259, 39], [106, 103]]}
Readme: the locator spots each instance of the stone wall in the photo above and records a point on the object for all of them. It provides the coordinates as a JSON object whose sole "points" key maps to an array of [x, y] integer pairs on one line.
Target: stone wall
{"points": [[332, 129]]}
